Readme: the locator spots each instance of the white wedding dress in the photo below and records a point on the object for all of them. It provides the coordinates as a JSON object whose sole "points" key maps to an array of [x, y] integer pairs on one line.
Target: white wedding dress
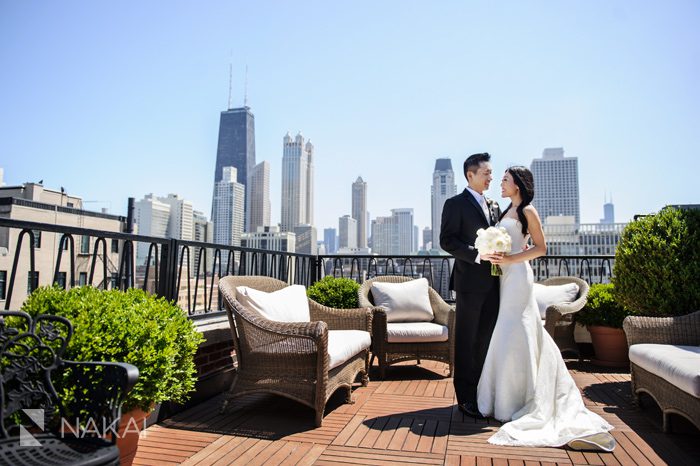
{"points": [[525, 380]]}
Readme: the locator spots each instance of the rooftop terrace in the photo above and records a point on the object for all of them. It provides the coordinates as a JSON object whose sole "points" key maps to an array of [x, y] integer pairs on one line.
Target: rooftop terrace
{"points": [[410, 418]]}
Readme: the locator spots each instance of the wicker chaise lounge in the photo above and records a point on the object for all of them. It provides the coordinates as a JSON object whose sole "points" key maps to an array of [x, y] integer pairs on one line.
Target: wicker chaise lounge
{"points": [[559, 321], [669, 348], [389, 352], [291, 359]]}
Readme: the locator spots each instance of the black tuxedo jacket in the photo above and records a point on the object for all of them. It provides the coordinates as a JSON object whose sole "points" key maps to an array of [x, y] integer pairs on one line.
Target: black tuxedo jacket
{"points": [[462, 216]]}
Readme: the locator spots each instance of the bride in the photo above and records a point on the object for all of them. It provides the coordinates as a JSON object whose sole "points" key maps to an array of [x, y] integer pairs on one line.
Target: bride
{"points": [[525, 382]]}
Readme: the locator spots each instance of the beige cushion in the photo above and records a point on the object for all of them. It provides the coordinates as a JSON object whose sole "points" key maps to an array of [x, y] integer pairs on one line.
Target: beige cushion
{"points": [[344, 344], [415, 332], [546, 295], [404, 302], [679, 365], [289, 304]]}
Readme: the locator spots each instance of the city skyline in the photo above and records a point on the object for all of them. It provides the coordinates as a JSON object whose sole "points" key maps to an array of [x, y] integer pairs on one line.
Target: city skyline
{"points": [[137, 106]]}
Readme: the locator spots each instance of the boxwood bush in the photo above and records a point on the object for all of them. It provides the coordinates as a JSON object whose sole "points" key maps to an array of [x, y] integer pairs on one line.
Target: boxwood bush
{"points": [[602, 308], [127, 326], [340, 293], [657, 264]]}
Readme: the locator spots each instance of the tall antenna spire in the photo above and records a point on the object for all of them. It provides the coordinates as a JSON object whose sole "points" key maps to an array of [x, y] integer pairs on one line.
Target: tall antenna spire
{"points": [[245, 90], [230, 78]]}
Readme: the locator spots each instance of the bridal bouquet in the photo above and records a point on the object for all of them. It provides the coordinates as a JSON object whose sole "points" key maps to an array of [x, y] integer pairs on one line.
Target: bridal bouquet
{"points": [[490, 240]]}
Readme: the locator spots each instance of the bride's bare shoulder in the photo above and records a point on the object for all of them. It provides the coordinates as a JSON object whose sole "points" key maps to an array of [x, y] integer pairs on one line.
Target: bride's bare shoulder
{"points": [[530, 211]]}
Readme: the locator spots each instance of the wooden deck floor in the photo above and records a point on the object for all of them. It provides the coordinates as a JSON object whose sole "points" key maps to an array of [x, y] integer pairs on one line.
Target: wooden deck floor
{"points": [[410, 419]]}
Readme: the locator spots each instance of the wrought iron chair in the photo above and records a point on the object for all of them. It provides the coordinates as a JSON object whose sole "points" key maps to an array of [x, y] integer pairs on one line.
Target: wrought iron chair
{"points": [[291, 358], [559, 321], [388, 352], [39, 428]]}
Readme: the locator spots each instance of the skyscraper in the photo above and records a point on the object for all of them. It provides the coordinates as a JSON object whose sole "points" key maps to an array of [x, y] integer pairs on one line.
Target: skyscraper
{"points": [[329, 240], [443, 188], [152, 217], [297, 182], [236, 147], [227, 208], [347, 229], [259, 201], [404, 230], [359, 210], [181, 219], [393, 235], [556, 185], [608, 213]]}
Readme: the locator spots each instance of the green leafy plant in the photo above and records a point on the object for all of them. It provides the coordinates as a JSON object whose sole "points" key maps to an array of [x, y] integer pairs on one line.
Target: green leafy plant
{"points": [[129, 326], [602, 308], [657, 264], [340, 293]]}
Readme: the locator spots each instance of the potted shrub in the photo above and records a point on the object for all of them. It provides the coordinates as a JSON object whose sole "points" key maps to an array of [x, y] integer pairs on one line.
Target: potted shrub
{"points": [[340, 293], [657, 264], [603, 317], [130, 326]]}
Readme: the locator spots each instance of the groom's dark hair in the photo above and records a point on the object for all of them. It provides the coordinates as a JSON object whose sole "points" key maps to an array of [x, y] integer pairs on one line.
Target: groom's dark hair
{"points": [[473, 161]]}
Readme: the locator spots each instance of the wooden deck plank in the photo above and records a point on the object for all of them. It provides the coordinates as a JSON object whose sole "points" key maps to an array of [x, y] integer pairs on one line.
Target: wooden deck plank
{"points": [[401, 420]]}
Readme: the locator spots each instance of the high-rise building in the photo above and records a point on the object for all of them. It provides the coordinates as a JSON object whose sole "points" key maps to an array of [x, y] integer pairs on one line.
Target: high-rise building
{"points": [[203, 232], [227, 208], [270, 238], [427, 238], [347, 228], [329, 236], [608, 213], [556, 184], [180, 221], [359, 210], [443, 188], [297, 183], [393, 235], [259, 199], [236, 146], [305, 239], [152, 217]]}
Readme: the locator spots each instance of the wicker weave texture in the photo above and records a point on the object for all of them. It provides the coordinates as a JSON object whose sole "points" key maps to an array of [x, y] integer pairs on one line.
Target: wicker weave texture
{"points": [[559, 320], [290, 358], [391, 353]]}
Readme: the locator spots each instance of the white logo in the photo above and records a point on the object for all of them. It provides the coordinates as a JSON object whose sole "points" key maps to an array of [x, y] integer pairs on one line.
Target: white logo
{"points": [[25, 438]]}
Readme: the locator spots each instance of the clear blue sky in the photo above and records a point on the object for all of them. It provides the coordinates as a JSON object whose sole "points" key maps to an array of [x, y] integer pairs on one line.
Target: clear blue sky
{"points": [[116, 99]]}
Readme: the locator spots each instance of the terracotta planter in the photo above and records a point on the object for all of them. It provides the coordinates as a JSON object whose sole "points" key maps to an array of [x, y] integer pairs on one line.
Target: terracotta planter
{"points": [[131, 425], [610, 346]]}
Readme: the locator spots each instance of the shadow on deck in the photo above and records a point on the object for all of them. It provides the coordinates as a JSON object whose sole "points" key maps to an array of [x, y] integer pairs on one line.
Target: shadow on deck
{"points": [[409, 418]]}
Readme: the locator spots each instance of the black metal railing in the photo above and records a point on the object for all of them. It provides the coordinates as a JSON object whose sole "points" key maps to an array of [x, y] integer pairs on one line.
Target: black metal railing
{"points": [[188, 271]]}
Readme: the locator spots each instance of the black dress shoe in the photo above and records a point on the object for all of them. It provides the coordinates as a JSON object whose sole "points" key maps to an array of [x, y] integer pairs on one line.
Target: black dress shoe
{"points": [[470, 409]]}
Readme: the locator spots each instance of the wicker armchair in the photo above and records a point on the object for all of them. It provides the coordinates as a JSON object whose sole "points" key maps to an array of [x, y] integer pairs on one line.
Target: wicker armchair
{"points": [[559, 320], [291, 358], [392, 352], [683, 330]]}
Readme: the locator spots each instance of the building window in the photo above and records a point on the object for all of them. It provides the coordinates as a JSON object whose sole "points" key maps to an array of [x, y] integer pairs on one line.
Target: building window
{"points": [[3, 286], [69, 204], [32, 281], [61, 280], [82, 279], [36, 235], [115, 245], [115, 280], [85, 244]]}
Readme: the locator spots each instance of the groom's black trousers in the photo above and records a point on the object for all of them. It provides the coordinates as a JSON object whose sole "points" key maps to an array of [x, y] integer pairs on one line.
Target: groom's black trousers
{"points": [[475, 320]]}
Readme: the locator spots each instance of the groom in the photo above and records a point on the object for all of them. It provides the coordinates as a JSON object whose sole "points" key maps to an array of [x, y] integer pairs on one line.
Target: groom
{"points": [[477, 290]]}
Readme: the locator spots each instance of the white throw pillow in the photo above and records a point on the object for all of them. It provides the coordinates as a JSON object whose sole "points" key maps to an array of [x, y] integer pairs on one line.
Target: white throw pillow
{"points": [[289, 304], [404, 302], [546, 295]]}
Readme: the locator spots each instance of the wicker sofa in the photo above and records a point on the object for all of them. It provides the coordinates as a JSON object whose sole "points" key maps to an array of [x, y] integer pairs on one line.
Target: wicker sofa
{"points": [[665, 363], [291, 359], [388, 352], [559, 321]]}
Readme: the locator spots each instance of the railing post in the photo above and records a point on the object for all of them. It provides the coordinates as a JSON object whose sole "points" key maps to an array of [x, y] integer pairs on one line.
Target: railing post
{"points": [[313, 270], [167, 283]]}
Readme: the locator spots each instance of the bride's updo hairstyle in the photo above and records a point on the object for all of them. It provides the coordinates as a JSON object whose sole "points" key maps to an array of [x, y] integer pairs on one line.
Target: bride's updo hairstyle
{"points": [[525, 182]]}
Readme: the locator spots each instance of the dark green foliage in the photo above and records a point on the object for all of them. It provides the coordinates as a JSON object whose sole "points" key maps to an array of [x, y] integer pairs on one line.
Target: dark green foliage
{"points": [[127, 326], [601, 308], [657, 264], [340, 293]]}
